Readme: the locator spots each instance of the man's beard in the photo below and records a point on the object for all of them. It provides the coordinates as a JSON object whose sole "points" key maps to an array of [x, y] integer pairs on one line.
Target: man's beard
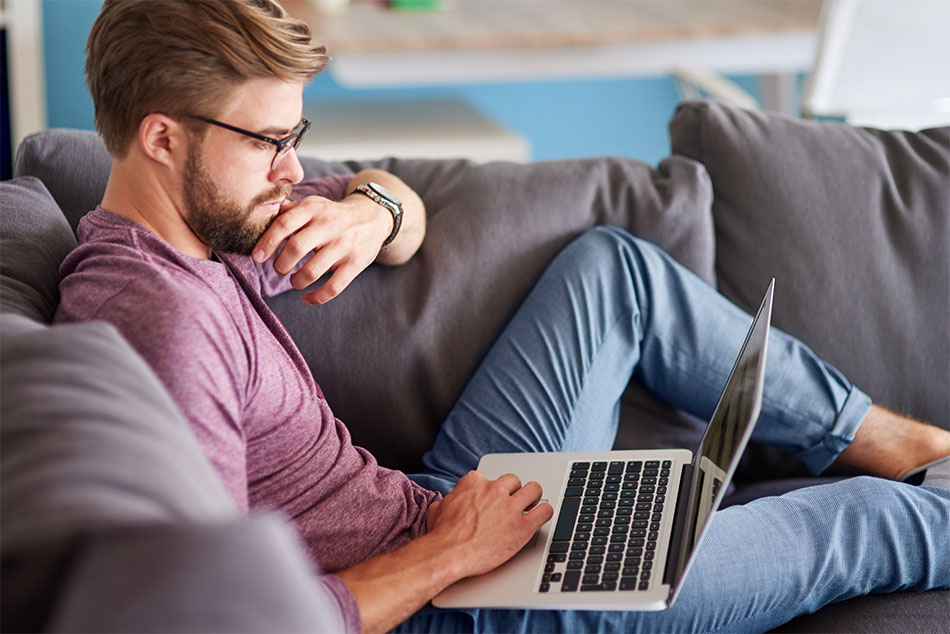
{"points": [[216, 218]]}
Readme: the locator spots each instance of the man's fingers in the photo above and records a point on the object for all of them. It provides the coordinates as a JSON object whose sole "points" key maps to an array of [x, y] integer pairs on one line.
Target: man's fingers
{"points": [[510, 482], [284, 225], [540, 514], [529, 494], [337, 283]]}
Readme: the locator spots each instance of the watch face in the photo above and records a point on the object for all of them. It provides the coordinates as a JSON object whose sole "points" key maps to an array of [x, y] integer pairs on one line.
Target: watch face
{"points": [[385, 193]]}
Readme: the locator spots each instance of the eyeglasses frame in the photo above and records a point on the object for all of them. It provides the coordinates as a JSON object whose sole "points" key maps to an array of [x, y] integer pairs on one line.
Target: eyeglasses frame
{"points": [[279, 144]]}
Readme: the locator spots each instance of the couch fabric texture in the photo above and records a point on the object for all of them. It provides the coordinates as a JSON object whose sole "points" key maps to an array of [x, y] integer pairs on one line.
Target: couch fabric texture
{"points": [[853, 224]]}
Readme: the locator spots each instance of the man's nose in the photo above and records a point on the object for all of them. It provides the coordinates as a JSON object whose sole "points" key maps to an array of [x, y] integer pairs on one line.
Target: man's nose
{"points": [[289, 169]]}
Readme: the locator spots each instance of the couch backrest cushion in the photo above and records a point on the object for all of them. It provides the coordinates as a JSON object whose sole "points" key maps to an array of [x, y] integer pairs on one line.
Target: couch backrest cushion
{"points": [[854, 223], [241, 576], [394, 351], [74, 165], [34, 239], [90, 438], [89, 441]]}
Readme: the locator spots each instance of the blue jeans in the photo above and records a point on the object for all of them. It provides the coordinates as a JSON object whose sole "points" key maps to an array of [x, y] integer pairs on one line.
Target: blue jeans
{"points": [[611, 306]]}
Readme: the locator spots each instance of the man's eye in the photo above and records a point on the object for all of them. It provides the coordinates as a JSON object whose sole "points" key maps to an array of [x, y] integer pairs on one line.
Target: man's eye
{"points": [[262, 146]]}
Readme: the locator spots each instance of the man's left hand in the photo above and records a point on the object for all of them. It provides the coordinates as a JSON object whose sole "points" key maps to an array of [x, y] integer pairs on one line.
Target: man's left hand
{"points": [[343, 237]]}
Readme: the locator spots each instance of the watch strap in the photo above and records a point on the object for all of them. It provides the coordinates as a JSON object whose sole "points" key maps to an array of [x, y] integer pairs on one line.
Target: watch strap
{"points": [[391, 204]]}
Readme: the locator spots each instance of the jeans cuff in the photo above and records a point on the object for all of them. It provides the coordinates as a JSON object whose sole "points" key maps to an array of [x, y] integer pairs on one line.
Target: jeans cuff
{"points": [[855, 410]]}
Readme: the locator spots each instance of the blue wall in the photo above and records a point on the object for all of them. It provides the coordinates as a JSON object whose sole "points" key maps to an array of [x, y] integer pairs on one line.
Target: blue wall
{"points": [[560, 118]]}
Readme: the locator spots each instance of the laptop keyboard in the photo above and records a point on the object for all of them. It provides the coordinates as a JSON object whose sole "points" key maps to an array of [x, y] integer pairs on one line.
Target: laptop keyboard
{"points": [[606, 533]]}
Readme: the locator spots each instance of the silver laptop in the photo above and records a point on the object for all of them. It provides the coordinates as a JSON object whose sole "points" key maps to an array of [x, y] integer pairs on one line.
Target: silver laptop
{"points": [[627, 524]]}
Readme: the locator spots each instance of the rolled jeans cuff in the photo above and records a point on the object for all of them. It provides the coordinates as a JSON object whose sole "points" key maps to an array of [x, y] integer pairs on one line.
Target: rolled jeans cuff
{"points": [[855, 410]]}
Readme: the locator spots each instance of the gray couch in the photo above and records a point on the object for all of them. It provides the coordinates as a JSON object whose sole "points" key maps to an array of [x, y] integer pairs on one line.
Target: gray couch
{"points": [[112, 520]]}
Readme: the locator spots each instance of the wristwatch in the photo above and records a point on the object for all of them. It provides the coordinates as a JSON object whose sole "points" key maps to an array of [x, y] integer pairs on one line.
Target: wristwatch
{"points": [[388, 200]]}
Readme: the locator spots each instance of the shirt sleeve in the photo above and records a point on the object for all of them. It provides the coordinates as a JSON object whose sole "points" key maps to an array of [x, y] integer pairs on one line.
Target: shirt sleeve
{"points": [[334, 586], [329, 187]]}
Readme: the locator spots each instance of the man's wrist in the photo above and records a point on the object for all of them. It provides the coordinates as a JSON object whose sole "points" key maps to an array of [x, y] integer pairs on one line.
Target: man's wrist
{"points": [[388, 201]]}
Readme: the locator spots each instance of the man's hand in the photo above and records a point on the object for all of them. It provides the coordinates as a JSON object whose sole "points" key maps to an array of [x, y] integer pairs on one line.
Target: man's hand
{"points": [[343, 237], [489, 521], [477, 527]]}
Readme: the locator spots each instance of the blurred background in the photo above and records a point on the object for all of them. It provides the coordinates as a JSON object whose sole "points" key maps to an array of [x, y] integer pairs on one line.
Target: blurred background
{"points": [[495, 79]]}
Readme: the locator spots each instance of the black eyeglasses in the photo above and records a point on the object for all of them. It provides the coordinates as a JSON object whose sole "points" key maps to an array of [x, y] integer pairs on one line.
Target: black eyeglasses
{"points": [[283, 146]]}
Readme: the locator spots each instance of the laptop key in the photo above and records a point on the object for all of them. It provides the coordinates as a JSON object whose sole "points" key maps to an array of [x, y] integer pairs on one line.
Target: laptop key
{"points": [[628, 583], [565, 519], [599, 587], [571, 580], [559, 547], [573, 492]]}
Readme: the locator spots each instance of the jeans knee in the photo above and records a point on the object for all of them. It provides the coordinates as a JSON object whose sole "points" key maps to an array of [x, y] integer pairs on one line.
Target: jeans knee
{"points": [[608, 242]]}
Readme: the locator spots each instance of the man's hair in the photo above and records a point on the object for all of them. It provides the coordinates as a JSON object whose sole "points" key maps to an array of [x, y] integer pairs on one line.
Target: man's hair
{"points": [[187, 57]]}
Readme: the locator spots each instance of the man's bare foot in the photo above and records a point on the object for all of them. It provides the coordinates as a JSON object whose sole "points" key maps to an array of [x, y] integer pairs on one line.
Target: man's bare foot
{"points": [[890, 445]]}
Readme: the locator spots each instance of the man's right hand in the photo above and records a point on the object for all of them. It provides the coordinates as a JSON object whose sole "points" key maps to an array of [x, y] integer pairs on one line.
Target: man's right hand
{"points": [[489, 521], [477, 527]]}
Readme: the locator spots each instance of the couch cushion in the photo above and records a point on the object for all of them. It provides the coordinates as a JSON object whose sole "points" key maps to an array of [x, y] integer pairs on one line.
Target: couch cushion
{"points": [[91, 438], [73, 164], [853, 224], [34, 239], [242, 576], [393, 352]]}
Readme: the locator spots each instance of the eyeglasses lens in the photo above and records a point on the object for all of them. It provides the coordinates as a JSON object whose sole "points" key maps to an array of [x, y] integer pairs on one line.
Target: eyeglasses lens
{"points": [[292, 144]]}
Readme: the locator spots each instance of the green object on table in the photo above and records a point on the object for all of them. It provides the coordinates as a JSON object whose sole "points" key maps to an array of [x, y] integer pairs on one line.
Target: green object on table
{"points": [[415, 5]]}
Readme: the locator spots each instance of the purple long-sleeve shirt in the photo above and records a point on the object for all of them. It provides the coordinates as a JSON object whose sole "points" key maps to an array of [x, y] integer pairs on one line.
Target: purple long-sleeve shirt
{"points": [[237, 376]]}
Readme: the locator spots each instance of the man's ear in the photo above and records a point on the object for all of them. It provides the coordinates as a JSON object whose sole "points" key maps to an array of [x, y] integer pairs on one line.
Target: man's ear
{"points": [[163, 139]]}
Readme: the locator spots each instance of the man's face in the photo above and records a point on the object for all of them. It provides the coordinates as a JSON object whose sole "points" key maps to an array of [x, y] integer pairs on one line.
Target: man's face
{"points": [[223, 223], [231, 189]]}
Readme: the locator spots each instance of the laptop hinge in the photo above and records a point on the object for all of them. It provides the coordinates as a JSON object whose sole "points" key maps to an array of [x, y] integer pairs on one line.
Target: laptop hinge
{"points": [[674, 565]]}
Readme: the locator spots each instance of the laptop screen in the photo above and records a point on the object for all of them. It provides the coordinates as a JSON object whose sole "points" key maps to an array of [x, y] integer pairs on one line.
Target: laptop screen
{"points": [[730, 427], [723, 441]]}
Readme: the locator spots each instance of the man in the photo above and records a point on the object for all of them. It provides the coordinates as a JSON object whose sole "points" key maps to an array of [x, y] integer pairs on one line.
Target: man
{"points": [[200, 105]]}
